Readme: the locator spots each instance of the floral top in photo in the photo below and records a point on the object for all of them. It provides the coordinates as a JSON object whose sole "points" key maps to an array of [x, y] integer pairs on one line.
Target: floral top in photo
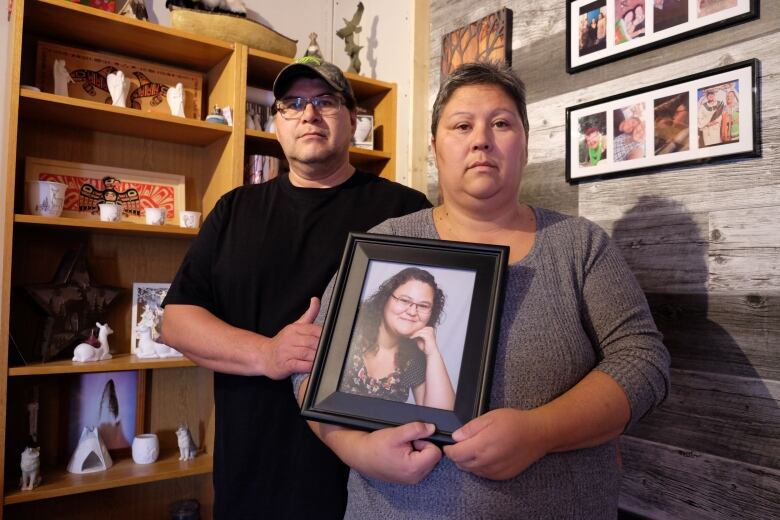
{"points": [[393, 387]]}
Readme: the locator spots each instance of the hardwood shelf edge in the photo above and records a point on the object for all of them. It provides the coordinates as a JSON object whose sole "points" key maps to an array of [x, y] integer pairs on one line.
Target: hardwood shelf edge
{"points": [[123, 473], [168, 230], [119, 362], [121, 121]]}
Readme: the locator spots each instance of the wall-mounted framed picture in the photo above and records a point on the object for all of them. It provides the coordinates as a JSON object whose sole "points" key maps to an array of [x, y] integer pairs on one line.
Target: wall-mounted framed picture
{"points": [[486, 39], [601, 31], [147, 310], [410, 334], [90, 184], [706, 116]]}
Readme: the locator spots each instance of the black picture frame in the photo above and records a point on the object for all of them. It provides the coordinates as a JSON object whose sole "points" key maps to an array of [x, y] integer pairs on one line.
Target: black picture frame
{"points": [[325, 402], [583, 52], [663, 148]]}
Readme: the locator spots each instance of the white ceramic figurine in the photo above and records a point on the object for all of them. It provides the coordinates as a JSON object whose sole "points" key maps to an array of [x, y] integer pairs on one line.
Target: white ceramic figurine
{"points": [[31, 469], [186, 445], [118, 87], [85, 352]]}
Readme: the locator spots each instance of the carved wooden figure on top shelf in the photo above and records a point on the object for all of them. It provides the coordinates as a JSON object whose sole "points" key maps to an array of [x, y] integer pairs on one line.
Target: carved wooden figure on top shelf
{"points": [[347, 33]]}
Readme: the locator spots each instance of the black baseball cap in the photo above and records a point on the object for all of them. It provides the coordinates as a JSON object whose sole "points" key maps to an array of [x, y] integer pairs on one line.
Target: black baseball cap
{"points": [[314, 67]]}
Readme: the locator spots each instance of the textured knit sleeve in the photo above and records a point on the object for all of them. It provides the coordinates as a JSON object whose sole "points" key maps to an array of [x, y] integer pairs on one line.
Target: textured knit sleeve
{"points": [[617, 317]]}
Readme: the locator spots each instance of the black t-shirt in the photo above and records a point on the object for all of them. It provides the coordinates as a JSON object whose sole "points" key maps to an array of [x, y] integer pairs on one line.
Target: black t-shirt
{"points": [[261, 254]]}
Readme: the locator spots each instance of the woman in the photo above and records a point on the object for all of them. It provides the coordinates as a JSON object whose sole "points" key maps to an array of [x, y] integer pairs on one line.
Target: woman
{"points": [[578, 359], [729, 128], [395, 349]]}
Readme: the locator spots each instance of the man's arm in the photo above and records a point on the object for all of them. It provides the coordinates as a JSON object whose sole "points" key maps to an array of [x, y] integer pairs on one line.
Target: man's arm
{"points": [[214, 344]]}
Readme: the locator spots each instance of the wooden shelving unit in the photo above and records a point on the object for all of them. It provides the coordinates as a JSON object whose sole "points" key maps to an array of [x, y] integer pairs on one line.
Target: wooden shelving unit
{"points": [[210, 157]]}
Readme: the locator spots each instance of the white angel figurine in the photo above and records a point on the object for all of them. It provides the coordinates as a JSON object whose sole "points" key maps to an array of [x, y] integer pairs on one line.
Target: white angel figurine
{"points": [[61, 78], [118, 87], [175, 97]]}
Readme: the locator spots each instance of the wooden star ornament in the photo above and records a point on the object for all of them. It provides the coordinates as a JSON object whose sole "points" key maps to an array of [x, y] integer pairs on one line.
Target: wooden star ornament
{"points": [[72, 303]]}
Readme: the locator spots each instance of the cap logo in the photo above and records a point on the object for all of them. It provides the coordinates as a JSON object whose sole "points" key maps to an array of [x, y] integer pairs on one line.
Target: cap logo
{"points": [[309, 60]]}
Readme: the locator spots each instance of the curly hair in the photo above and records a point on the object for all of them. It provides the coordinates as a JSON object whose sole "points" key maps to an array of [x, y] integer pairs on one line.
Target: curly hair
{"points": [[372, 313]]}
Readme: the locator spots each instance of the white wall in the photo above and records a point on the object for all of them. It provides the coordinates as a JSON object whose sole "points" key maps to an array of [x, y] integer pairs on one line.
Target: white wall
{"points": [[385, 36]]}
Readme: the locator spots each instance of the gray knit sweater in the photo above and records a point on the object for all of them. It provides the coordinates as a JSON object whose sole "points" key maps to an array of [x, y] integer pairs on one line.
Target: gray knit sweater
{"points": [[571, 306]]}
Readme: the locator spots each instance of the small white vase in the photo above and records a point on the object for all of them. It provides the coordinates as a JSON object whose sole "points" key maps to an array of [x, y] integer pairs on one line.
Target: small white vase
{"points": [[146, 448]]}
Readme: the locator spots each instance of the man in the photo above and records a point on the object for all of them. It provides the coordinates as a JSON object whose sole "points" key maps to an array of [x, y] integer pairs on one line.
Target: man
{"points": [[596, 145], [242, 302], [709, 119]]}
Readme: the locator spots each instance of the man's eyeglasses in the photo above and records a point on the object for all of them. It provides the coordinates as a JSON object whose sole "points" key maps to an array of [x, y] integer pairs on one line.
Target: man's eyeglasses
{"points": [[404, 303], [292, 108]]}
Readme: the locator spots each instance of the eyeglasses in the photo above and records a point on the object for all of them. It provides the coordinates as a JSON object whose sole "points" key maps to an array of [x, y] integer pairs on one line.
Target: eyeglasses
{"points": [[292, 108], [404, 303]]}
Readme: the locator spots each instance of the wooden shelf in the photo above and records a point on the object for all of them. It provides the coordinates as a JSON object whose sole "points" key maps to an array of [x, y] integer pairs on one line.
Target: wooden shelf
{"points": [[124, 472], [133, 228], [110, 32], [117, 363], [89, 115]]}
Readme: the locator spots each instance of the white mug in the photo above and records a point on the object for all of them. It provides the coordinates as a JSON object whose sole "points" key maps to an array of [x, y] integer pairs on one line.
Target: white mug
{"points": [[146, 448], [45, 198], [155, 216], [110, 212], [189, 219]]}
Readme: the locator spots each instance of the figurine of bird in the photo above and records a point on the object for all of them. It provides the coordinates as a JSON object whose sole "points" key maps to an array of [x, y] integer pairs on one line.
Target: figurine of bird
{"points": [[135, 9]]}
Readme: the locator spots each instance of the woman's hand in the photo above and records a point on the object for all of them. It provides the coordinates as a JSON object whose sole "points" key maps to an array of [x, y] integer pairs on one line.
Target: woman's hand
{"points": [[397, 455], [426, 340], [499, 444]]}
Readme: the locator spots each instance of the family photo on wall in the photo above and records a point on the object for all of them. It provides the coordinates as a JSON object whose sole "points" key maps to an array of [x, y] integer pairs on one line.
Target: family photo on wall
{"points": [[696, 118], [599, 31]]}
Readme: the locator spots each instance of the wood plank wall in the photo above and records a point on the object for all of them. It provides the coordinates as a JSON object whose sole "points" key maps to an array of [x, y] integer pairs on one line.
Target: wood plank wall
{"points": [[704, 244]]}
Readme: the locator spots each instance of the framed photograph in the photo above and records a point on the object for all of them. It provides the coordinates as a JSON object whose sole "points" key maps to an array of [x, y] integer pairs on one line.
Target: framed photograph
{"points": [[410, 334], [149, 82], [147, 310], [90, 184], [364, 132], [487, 39], [702, 117], [600, 31], [109, 401]]}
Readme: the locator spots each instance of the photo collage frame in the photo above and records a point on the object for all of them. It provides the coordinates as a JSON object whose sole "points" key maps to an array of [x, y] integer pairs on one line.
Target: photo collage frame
{"points": [[709, 115]]}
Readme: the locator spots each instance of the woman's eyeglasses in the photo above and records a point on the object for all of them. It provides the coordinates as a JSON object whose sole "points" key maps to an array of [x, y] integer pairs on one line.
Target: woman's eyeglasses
{"points": [[292, 108], [404, 303]]}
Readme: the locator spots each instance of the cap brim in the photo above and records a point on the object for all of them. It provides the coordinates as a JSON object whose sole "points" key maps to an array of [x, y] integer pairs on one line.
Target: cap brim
{"points": [[294, 71]]}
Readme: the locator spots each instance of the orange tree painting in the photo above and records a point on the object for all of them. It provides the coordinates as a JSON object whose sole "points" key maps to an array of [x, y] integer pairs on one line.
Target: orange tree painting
{"points": [[487, 39]]}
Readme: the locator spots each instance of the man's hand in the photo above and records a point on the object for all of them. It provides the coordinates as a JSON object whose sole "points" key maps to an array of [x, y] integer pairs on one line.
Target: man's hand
{"points": [[397, 454], [498, 445], [292, 350]]}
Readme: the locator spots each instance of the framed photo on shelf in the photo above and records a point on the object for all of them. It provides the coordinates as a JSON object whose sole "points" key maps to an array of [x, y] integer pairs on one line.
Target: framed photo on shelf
{"points": [[601, 31], [147, 310], [90, 184], [109, 401], [434, 306], [706, 116]]}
